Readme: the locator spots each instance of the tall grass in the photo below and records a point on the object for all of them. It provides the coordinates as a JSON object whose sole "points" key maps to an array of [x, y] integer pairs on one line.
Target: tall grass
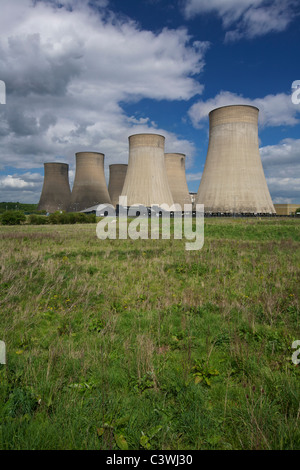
{"points": [[143, 345]]}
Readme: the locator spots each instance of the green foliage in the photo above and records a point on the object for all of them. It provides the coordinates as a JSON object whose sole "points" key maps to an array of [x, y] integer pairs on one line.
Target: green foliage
{"points": [[35, 219], [58, 218], [143, 383], [96, 325], [202, 373], [17, 206], [21, 402], [114, 429], [145, 440], [12, 218], [192, 269]]}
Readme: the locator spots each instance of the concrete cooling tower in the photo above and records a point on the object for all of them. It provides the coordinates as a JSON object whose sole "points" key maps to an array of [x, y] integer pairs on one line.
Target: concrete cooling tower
{"points": [[233, 179], [117, 174], [56, 193], [146, 181], [175, 166], [89, 187]]}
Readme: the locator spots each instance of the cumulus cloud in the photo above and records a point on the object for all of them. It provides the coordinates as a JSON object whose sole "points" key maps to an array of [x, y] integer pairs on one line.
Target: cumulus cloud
{"points": [[247, 18], [287, 152], [26, 181], [14, 183], [275, 110], [69, 68], [281, 164], [51, 51], [21, 187], [284, 190]]}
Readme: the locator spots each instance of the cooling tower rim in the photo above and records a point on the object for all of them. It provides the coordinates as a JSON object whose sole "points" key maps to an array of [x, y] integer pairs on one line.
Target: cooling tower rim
{"points": [[234, 106], [118, 164], [56, 163], [147, 133], [89, 152], [175, 153]]}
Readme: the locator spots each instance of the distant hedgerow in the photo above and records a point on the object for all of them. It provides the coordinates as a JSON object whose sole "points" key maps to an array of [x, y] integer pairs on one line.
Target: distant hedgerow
{"points": [[60, 218], [71, 218], [12, 217], [38, 219]]}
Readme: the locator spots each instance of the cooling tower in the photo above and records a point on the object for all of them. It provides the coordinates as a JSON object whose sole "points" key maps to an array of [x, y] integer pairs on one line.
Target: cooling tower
{"points": [[233, 179], [89, 187], [117, 174], [146, 181], [56, 191], [175, 166]]}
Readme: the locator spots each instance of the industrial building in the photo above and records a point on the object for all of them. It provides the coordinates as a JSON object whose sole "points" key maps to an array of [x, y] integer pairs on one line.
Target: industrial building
{"points": [[146, 181], [56, 193], [233, 180], [89, 187], [117, 174], [286, 209], [175, 167]]}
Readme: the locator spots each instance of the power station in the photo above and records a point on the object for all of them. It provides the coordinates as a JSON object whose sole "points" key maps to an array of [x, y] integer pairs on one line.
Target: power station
{"points": [[117, 174], [175, 167], [56, 193], [89, 187], [233, 180], [146, 181]]}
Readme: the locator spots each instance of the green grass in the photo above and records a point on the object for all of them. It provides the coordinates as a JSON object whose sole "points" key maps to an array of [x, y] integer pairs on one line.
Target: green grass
{"points": [[144, 345]]}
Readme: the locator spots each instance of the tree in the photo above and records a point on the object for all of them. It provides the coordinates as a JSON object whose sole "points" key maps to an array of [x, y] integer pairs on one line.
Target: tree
{"points": [[12, 217]]}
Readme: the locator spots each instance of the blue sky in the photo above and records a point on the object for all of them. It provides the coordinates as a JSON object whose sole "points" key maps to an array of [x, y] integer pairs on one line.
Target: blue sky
{"points": [[84, 75]]}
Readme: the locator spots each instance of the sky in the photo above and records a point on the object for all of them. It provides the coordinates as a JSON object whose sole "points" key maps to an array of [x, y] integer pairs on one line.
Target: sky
{"points": [[85, 75]]}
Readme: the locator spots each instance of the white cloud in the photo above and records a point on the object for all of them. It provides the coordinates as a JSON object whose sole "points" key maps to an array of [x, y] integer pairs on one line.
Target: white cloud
{"points": [[248, 18], [51, 51], [287, 152], [69, 69], [194, 176], [229, 10], [275, 110], [281, 164], [283, 200], [19, 182], [285, 190], [21, 187]]}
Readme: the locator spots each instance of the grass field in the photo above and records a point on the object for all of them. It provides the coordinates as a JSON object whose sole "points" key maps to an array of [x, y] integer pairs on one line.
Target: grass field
{"points": [[144, 345]]}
